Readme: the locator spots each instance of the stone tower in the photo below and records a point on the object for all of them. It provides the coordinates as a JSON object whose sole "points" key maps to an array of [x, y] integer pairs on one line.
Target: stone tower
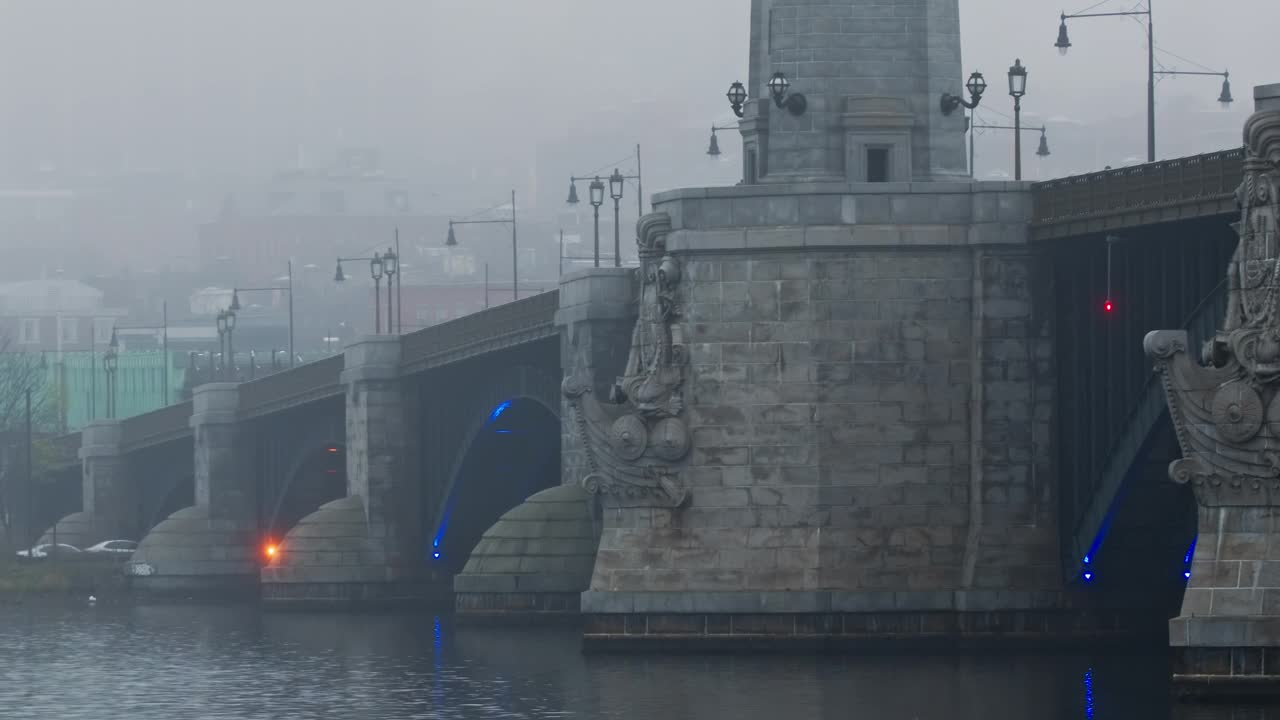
{"points": [[834, 414], [873, 72]]}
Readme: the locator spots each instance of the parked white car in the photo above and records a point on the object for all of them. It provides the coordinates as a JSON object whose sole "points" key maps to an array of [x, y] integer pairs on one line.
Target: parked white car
{"points": [[45, 550], [114, 547]]}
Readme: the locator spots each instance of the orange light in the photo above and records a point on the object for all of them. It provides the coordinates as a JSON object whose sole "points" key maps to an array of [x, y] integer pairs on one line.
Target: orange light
{"points": [[271, 551]]}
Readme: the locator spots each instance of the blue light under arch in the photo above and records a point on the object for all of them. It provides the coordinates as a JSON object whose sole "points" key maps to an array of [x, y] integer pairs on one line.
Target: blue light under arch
{"points": [[436, 551], [502, 407]]}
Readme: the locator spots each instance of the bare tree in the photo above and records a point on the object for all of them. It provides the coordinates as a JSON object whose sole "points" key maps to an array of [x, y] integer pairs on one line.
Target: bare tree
{"points": [[20, 373]]}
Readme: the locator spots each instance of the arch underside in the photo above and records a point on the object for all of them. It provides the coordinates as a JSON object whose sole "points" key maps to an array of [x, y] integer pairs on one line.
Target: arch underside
{"points": [[299, 462], [490, 440]]}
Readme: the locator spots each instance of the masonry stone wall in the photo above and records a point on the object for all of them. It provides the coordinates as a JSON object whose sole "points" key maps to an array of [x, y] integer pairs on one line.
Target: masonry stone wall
{"points": [[866, 417], [837, 50]]}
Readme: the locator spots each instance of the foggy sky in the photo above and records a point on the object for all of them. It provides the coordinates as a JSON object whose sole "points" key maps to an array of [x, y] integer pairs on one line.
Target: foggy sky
{"points": [[249, 86]]}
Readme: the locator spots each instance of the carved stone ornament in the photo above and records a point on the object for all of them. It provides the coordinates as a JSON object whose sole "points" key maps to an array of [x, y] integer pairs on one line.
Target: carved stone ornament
{"points": [[636, 439], [1226, 413]]}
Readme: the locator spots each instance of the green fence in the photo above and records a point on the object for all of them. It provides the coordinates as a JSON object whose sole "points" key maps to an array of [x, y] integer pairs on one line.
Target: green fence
{"points": [[76, 384]]}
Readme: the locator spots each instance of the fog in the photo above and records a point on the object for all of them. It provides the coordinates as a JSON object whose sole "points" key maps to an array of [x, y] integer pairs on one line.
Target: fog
{"points": [[452, 87], [175, 106]]}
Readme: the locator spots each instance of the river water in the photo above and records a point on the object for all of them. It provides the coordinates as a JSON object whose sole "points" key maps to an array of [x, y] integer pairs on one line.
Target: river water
{"points": [[239, 663]]}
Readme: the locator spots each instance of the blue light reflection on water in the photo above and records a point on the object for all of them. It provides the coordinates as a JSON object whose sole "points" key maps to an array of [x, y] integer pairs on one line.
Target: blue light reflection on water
{"points": [[1088, 693]]}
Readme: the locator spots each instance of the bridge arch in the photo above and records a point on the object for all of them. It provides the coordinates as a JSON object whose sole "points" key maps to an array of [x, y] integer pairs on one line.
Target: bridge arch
{"points": [[301, 466], [507, 449]]}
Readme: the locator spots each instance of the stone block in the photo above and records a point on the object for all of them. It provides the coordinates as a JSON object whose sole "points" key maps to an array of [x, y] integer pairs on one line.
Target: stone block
{"points": [[1243, 546]]}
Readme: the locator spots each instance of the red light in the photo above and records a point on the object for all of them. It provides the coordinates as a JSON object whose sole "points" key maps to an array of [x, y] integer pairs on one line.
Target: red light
{"points": [[333, 449], [1108, 307]]}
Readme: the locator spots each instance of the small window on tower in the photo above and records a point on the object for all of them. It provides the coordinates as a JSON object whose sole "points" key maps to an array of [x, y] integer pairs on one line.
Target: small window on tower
{"points": [[877, 165]]}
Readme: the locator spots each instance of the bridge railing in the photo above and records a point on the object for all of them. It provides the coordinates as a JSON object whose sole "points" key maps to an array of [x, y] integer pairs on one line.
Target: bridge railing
{"points": [[311, 381], [1200, 177], [155, 427], [456, 336]]}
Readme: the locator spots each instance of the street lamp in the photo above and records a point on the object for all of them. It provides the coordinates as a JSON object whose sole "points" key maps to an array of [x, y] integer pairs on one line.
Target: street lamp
{"points": [[452, 240], [1041, 151], [779, 87], [377, 267], [638, 177], [976, 86], [231, 349], [164, 341], [713, 149], [1017, 88], [597, 199], [110, 363], [737, 98], [615, 191], [235, 302], [375, 271], [1064, 43], [391, 266], [1224, 98]]}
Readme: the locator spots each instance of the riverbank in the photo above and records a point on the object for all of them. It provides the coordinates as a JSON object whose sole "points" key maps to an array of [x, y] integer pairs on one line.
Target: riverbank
{"points": [[21, 580]]}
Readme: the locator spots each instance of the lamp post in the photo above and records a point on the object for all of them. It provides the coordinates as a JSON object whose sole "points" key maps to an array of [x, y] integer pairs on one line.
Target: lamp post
{"points": [[593, 177], [1017, 88], [110, 363], [235, 304], [638, 177], [231, 348], [713, 148], [164, 340], [616, 182], [596, 192], [1041, 151], [226, 326], [452, 241], [1064, 43], [1224, 98], [391, 266], [221, 324], [976, 85], [375, 271]]}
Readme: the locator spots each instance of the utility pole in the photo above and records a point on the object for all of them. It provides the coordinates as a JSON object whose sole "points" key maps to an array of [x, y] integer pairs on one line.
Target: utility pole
{"points": [[31, 517]]}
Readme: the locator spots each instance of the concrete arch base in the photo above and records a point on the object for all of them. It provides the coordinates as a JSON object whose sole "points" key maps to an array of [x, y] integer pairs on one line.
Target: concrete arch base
{"points": [[332, 559], [191, 556], [533, 564], [81, 529]]}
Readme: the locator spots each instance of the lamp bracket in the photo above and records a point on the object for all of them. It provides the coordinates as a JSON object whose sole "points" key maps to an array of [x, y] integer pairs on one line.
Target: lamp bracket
{"points": [[951, 102], [795, 103]]}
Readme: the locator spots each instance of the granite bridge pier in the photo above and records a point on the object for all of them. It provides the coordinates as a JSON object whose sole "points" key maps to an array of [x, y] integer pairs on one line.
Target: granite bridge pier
{"points": [[856, 399]]}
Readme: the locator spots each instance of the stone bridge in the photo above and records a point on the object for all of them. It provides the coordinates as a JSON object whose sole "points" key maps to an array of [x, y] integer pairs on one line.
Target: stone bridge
{"points": [[824, 411], [374, 475]]}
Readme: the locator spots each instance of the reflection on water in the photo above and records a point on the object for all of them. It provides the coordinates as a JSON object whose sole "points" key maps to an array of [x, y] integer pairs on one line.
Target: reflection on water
{"points": [[241, 664]]}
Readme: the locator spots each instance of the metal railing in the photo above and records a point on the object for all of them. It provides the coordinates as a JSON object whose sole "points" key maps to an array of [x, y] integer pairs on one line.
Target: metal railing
{"points": [[1211, 176], [312, 381], [1151, 408], [530, 314], [322, 378]]}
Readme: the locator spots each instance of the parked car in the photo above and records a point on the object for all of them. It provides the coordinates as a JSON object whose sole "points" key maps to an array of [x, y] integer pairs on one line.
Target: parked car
{"points": [[46, 549], [114, 547]]}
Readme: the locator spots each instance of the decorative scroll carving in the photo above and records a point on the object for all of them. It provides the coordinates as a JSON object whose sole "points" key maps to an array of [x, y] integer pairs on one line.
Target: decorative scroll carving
{"points": [[1226, 412], [636, 440]]}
